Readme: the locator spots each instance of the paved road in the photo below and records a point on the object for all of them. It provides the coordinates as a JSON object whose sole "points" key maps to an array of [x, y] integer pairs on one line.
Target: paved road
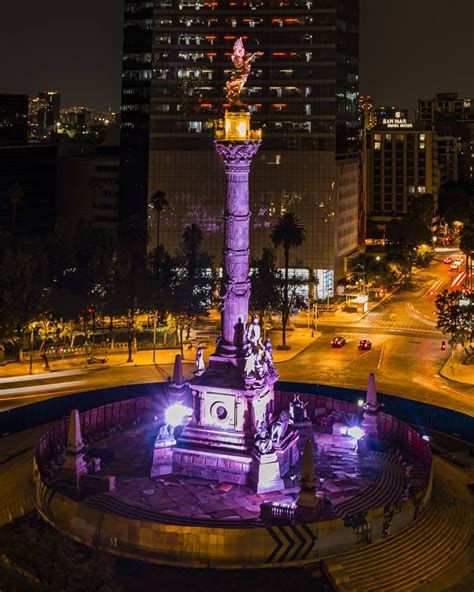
{"points": [[406, 356]]}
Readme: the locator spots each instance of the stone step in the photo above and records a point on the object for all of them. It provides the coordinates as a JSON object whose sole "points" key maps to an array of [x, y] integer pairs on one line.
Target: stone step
{"points": [[386, 491], [417, 534], [456, 570], [434, 554], [357, 557], [387, 548], [406, 550], [422, 566]]}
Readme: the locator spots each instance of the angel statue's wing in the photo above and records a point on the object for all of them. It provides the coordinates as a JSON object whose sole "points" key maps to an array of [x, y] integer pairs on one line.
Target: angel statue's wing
{"points": [[239, 50]]}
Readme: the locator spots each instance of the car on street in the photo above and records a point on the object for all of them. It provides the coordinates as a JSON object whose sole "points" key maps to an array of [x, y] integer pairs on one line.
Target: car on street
{"points": [[338, 341], [447, 260], [365, 344], [454, 266]]}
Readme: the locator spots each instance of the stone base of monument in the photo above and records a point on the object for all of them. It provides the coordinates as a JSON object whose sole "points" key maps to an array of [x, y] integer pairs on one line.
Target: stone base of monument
{"points": [[74, 467], [265, 473], [200, 437], [225, 466], [287, 451], [308, 505], [368, 444], [162, 457], [305, 431], [370, 423]]}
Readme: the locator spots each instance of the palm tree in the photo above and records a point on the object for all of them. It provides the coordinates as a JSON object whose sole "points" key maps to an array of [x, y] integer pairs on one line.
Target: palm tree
{"points": [[158, 202], [14, 195], [466, 245], [289, 232]]}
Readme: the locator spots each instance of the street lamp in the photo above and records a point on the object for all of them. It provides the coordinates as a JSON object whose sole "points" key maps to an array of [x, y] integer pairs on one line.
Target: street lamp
{"points": [[32, 335]]}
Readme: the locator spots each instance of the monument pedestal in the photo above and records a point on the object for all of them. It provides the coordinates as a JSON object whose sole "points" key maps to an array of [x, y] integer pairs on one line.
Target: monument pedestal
{"points": [[162, 457], [305, 431], [265, 472], [370, 423], [218, 443], [287, 451], [74, 466]]}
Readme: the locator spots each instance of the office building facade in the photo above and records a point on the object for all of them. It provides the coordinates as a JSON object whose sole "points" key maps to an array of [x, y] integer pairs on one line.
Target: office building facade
{"points": [[303, 93], [88, 188], [401, 165], [367, 118], [453, 119]]}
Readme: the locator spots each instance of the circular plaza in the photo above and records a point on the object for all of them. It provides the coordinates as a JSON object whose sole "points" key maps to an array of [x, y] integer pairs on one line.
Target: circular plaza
{"points": [[363, 493]]}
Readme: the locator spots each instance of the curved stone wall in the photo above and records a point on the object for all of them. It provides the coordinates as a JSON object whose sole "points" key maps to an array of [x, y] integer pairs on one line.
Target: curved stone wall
{"points": [[199, 545]]}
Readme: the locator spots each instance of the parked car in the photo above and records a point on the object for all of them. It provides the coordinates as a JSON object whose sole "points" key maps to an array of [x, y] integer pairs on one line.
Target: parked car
{"points": [[447, 260], [365, 344], [338, 341], [453, 266]]}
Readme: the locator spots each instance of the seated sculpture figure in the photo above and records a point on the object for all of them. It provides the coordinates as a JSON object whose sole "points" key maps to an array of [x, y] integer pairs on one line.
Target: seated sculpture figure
{"points": [[280, 427], [263, 441], [165, 432]]}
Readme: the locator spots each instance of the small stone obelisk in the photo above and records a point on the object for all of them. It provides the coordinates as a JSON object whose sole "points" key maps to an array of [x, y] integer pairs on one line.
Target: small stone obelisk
{"points": [[308, 504], [74, 465], [178, 371], [371, 409]]}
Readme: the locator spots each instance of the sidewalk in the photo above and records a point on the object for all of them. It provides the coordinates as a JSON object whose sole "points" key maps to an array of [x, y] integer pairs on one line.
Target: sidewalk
{"points": [[298, 339], [458, 372]]}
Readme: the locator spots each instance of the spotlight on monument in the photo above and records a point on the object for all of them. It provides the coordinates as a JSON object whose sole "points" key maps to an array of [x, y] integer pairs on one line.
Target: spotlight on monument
{"points": [[177, 414], [355, 432], [360, 402], [427, 438]]}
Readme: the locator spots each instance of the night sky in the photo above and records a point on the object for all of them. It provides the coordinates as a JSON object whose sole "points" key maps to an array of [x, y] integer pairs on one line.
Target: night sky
{"points": [[409, 49]]}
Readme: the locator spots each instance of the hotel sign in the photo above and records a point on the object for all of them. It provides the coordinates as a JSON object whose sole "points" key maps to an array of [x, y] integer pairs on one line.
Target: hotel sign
{"points": [[398, 121]]}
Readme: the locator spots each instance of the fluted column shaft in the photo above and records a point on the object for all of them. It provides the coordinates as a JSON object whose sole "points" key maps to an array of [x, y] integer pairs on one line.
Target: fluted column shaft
{"points": [[237, 158]]}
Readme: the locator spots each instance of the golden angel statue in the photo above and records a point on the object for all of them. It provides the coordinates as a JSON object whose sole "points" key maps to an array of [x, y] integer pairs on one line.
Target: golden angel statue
{"points": [[241, 60]]}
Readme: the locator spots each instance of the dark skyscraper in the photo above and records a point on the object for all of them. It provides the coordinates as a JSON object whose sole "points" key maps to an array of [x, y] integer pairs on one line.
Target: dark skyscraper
{"points": [[51, 112], [303, 92], [135, 117]]}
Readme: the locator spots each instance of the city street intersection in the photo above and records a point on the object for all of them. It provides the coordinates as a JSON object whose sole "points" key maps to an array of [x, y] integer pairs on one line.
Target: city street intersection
{"points": [[406, 355]]}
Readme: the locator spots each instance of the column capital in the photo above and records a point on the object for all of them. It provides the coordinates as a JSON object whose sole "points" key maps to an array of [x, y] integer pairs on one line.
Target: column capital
{"points": [[237, 153]]}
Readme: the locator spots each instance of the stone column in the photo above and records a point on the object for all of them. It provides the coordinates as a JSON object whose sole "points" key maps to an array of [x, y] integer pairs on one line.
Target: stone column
{"points": [[237, 158], [202, 407]]}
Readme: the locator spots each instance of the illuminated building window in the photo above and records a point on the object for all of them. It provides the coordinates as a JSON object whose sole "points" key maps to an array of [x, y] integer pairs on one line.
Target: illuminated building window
{"points": [[422, 146], [377, 137], [377, 145], [400, 137]]}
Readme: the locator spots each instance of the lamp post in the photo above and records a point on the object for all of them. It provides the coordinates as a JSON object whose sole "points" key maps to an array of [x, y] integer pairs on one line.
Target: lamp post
{"points": [[154, 336], [32, 334]]}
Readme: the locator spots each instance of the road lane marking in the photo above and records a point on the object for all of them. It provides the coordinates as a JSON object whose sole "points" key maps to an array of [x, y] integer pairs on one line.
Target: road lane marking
{"points": [[42, 376], [381, 357], [39, 389], [357, 357]]}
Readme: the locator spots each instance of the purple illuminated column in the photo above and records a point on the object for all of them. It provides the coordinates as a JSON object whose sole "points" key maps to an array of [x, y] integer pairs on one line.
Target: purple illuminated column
{"points": [[237, 156]]}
